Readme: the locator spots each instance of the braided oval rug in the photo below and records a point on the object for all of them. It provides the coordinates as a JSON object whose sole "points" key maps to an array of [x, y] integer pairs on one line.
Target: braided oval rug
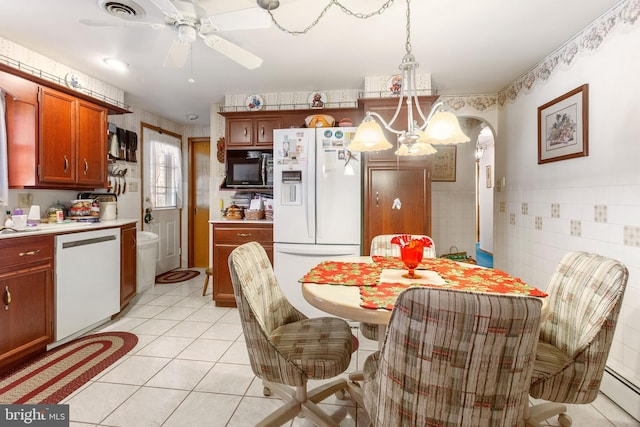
{"points": [[52, 376]]}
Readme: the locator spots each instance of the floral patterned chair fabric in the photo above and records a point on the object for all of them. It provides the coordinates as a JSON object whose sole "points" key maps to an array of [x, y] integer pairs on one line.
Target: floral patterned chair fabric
{"points": [[453, 358], [381, 246], [285, 347], [585, 296]]}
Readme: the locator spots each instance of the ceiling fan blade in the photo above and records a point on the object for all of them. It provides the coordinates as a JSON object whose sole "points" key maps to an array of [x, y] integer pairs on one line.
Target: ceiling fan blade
{"points": [[233, 51], [122, 24], [168, 8], [246, 19], [177, 56], [214, 7]]}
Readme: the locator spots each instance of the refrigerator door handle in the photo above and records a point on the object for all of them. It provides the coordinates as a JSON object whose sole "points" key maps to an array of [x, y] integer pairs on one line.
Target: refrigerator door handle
{"points": [[316, 250], [311, 218]]}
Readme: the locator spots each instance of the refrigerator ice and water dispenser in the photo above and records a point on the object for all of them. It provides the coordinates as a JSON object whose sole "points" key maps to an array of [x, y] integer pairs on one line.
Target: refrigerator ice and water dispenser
{"points": [[291, 188]]}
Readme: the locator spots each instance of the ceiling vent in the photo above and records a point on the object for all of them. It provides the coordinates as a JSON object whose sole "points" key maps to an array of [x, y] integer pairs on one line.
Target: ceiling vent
{"points": [[124, 9]]}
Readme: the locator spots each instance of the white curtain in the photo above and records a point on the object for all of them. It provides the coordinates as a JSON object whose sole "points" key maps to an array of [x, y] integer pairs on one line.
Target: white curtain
{"points": [[4, 161], [165, 170]]}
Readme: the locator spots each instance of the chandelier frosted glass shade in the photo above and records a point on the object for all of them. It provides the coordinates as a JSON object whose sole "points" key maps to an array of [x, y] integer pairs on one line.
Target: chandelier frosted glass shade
{"points": [[443, 128], [369, 137], [417, 149]]}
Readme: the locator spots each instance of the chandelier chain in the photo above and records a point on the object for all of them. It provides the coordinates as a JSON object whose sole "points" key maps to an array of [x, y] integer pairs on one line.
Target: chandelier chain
{"points": [[342, 7], [408, 42]]}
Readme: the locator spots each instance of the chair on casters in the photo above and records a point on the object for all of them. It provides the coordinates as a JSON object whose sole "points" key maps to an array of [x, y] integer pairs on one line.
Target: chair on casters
{"points": [[452, 358], [208, 274], [285, 347], [381, 246], [585, 295]]}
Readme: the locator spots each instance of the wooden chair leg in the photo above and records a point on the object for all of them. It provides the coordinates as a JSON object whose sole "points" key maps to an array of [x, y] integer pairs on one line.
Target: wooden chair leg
{"points": [[206, 281]]}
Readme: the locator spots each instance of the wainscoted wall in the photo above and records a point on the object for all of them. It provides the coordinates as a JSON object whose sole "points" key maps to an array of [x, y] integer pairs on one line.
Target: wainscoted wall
{"points": [[590, 203]]}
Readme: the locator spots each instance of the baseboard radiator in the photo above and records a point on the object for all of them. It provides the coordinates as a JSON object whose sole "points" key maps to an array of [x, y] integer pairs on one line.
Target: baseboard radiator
{"points": [[622, 392]]}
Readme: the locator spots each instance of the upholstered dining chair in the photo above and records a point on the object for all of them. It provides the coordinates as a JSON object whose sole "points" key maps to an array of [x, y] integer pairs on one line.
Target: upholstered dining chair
{"points": [[287, 349], [452, 358], [585, 296], [381, 246]]}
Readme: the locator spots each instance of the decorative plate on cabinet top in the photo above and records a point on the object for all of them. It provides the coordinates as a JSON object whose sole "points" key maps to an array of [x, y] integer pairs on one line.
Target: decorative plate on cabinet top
{"points": [[254, 102], [72, 81], [317, 99], [394, 84]]}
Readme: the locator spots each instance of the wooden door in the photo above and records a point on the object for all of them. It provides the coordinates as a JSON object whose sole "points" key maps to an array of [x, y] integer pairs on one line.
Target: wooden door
{"points": [[57, 155], [166, 221], [411, 186], [199, 170], [92, 144]]}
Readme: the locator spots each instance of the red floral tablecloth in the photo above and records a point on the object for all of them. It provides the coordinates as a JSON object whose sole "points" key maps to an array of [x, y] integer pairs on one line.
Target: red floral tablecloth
{"points": [[374, 294]]}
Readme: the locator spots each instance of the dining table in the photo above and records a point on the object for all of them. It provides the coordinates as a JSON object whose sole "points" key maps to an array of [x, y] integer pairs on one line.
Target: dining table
{"points": [[365, 288]]}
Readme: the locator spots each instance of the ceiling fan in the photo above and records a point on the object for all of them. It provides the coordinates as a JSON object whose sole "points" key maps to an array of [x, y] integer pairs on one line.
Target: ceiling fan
{"points": [[191, 20]]}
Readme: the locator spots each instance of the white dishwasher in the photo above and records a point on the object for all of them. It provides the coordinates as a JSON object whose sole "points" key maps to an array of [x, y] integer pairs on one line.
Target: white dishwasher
{"points": [[87, 282]]}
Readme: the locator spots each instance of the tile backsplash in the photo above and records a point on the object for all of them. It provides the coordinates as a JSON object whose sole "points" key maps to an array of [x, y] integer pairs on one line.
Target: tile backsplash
{"points": [[540, 226]]}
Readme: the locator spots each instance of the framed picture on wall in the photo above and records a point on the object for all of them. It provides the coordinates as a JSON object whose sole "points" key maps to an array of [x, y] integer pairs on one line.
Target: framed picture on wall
{"points": [[563, 126], [443, 163]]}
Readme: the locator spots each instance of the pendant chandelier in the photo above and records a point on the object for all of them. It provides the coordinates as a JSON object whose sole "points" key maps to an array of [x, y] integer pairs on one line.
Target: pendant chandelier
{"points": [[439, 127]]}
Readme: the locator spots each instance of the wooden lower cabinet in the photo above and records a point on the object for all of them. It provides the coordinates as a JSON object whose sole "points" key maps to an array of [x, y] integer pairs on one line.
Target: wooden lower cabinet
{"points": [[26, 286], [128, 263], [226, 237]]}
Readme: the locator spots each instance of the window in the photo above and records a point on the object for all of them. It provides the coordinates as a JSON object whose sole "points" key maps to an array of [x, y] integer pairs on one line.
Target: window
{"points": [[165, 170]]}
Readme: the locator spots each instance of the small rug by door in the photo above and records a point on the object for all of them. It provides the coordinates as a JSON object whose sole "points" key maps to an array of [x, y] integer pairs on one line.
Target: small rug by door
{"points": [[175, 276], [57, 373]]}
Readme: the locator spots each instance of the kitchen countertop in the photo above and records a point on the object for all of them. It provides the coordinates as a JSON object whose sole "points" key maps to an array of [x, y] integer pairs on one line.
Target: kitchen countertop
{"points": [[240, 221], [65, 227]]}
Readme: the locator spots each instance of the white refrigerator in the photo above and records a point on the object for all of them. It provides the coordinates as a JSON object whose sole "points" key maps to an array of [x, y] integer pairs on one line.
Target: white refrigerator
{"points": [[317, 204]]}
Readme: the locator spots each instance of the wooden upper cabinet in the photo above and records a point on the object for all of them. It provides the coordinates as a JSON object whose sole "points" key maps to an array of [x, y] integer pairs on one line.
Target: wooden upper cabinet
{"points": [[55, 139], [59, 141], [21, 97], [264, 130], [252, 132], [92, 144], [58, 137]]}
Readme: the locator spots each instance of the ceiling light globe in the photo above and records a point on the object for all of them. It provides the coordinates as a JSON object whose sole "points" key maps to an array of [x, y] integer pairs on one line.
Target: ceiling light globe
{"points": [[186, 33], [443, 128], [369, 137]]}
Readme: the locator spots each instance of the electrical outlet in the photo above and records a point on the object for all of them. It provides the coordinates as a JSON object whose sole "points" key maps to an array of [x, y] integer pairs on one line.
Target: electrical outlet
{"points": [[25, 200], [133, 187]]}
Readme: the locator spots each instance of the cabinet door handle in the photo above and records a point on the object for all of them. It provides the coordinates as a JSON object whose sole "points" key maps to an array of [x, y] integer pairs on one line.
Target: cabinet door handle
{"points": [[246, 132], [262, 131], [377, 199], [35, 252], [86, 166], [6, 298], [244, 234], [66, 163]]}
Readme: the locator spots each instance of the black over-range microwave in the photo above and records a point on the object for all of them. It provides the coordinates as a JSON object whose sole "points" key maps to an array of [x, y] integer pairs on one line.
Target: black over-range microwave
{"points": [[249, 169]]}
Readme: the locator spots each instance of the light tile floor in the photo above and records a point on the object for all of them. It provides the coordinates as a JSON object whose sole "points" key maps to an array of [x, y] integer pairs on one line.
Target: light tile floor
{"points": [[190, 368]]}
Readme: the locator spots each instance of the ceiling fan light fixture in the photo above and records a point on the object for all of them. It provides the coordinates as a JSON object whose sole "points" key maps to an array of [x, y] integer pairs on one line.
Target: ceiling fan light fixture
{"points": [[116, 64], [186, 33]]}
